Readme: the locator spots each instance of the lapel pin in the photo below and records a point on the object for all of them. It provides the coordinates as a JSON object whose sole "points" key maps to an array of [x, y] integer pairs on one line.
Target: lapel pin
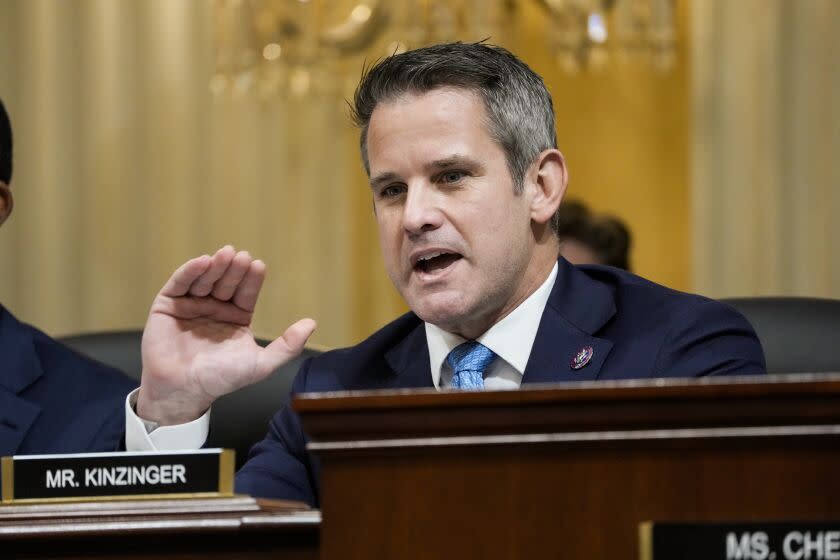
{"points": [[582, 358]]}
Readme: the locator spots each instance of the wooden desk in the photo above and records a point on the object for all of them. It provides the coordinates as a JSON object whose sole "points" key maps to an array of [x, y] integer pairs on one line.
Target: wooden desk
{"points": [[568, 471], [557, 472], [198, 529]]}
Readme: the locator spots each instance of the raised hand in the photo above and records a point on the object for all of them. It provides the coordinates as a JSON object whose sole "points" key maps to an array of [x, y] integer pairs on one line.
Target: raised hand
{"points": [[198, 344]]}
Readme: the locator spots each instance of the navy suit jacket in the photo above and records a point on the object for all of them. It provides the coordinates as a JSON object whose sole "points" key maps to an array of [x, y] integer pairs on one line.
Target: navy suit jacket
{"points": [[636, 329], [53, 400]]}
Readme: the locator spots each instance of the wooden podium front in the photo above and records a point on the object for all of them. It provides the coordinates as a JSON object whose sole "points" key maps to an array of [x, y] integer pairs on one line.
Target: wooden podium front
{"points": [[571, 471], [238, 527]]}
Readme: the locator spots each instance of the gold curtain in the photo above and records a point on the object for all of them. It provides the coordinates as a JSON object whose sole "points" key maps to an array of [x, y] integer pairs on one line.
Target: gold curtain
{"points": [[766, 140], [126, 165]]}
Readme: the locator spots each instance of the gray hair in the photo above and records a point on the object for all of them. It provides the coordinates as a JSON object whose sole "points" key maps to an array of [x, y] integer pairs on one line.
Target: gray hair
{"points": [[517, 103]]}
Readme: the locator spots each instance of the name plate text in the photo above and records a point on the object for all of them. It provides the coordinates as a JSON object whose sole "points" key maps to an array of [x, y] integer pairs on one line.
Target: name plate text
{"points": [[84, 476], [819, 540]]}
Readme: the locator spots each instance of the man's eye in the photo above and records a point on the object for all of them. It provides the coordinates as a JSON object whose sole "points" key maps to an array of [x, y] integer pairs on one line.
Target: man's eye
{"points": [[392, 191], [452, 176]]}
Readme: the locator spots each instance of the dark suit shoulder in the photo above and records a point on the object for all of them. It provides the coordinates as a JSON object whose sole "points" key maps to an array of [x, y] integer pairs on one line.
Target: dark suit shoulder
{"points": [[363, 366], [58, 358], [643, 298], [682, 334], [62, 401]]}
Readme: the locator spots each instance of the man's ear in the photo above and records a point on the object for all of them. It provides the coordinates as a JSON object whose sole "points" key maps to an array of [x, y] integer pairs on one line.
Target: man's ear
{"points": [[7, 202], [548, 177]]}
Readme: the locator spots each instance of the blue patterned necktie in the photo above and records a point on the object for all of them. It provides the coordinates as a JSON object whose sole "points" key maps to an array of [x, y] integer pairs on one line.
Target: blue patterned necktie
{"points": [[468, 362]]}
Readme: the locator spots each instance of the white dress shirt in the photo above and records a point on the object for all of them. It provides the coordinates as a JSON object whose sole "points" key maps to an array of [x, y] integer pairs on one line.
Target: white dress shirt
{"points": [[144, 435], [510, 339]]}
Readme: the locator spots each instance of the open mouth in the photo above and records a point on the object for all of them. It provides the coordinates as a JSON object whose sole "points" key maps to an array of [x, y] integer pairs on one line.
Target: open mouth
{"points": [[435, 262]]}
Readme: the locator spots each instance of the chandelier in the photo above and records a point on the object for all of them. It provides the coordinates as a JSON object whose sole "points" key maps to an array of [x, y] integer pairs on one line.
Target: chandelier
{"points": [[274, 45]]}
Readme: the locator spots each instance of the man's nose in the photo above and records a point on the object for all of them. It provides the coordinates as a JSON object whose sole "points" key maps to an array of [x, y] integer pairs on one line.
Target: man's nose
{"points": [[422, 210]]}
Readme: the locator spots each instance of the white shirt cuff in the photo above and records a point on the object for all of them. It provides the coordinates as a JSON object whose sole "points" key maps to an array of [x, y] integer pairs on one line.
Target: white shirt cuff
{"points": [[144, 435]]}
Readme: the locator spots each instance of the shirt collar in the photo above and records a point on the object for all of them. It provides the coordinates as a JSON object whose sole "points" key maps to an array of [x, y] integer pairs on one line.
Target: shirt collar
{"points": [[510, 339]]}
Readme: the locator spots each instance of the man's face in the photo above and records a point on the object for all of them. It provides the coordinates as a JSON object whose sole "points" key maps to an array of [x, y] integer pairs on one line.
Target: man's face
{"points": [[456, 239]]}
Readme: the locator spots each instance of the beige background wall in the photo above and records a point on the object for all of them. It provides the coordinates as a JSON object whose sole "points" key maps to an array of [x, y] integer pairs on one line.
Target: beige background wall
{"points": [[127, 165], [624, 131], [765, 147]]}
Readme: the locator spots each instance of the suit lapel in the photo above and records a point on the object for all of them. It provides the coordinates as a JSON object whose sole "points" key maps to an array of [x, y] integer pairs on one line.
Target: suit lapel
{"points": [[19, 368], [577, 308], [16, 418], [409, 360]]}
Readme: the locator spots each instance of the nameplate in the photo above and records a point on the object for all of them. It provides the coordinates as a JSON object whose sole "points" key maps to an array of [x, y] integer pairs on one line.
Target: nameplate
{"points": [[741, 541], [110, 476]]}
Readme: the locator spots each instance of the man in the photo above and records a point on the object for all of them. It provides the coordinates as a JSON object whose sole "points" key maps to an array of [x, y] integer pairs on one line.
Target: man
{"points": [[459, 144], [52, 400], [588, 238]]}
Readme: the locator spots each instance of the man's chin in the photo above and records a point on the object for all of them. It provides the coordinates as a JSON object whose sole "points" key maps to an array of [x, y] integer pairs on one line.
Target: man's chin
{"points": [[442, 310]]}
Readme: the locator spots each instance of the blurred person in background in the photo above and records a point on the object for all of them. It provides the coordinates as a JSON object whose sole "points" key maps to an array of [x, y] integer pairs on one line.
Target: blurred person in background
{"points": [[589, 238], [52, 400]]}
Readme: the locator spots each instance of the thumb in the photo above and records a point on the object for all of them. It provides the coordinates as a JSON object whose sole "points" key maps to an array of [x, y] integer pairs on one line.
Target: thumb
{"points": [[287, 347]]}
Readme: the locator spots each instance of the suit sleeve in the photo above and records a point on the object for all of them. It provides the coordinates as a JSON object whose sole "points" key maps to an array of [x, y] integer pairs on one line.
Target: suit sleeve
{"points": [[710, 339], [279, 466], [110, 436]]}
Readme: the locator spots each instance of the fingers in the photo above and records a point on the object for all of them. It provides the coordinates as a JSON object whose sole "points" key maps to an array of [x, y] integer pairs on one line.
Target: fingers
{"points": [[249, 288], [226, 276], [286, 347], [297, 335], [181, 280], [188, 307], [219, 263], [225, 287]]}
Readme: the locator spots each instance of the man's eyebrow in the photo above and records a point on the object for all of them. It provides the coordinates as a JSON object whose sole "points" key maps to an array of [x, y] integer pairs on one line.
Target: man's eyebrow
{"points": [[452, 161], [385, 177]]}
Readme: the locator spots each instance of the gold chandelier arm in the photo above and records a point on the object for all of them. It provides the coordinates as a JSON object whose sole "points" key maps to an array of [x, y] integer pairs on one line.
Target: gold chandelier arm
{"points": [[364, 24]]}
